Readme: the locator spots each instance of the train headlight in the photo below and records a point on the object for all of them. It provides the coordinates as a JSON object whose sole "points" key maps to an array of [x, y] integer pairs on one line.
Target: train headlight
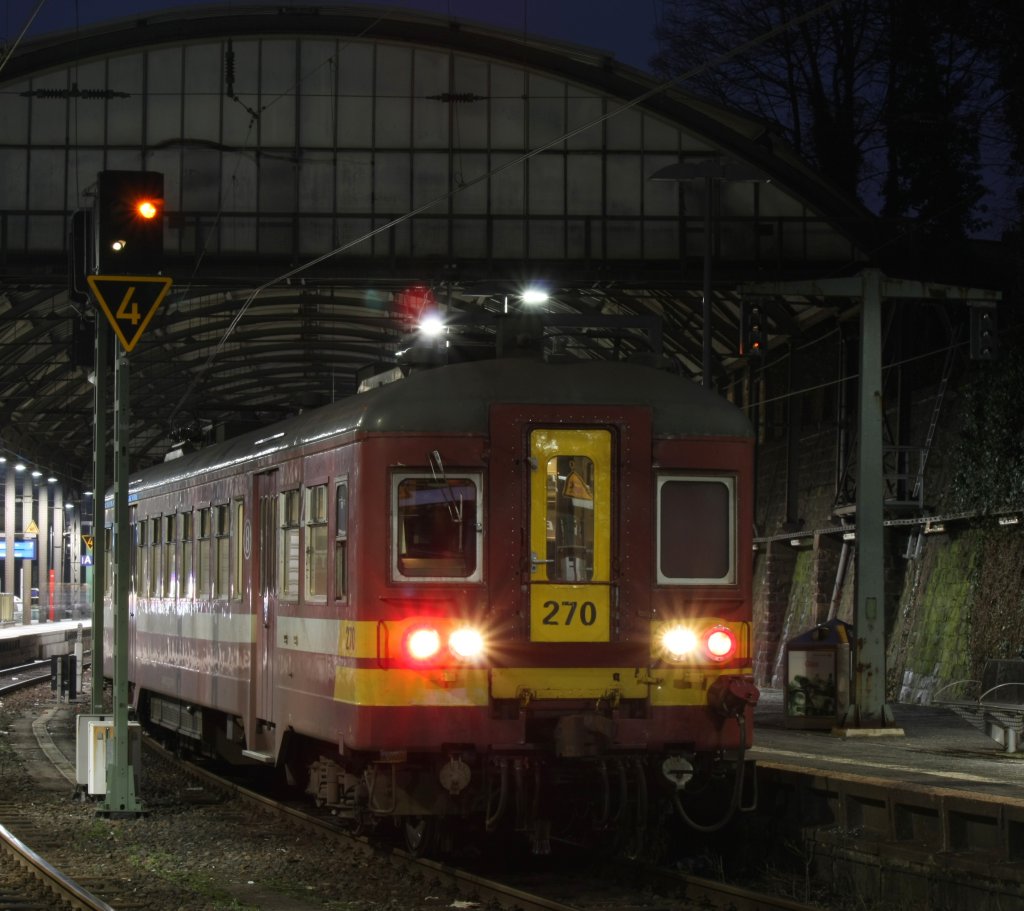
{"points": [[466, 644], [423, 643], [720, 643], [679, 642]]}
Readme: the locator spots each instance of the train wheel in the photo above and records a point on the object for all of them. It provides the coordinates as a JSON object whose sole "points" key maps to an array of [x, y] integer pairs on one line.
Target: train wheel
{"points": [[420, 834]]}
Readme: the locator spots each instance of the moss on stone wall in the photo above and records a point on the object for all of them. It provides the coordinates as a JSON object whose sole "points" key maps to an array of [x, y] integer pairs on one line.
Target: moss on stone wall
{"points": [[931, 642]]}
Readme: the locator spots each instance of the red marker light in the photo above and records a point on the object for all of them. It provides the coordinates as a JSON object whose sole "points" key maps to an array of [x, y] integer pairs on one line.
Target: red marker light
{"points": [[719, 643], [423, 643]]}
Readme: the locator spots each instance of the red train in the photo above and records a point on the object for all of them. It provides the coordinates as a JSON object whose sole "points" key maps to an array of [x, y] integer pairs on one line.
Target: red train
{"points": [[507, 594]]}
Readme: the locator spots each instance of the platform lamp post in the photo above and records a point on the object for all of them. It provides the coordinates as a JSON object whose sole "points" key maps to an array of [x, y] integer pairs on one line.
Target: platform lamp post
{"points": [[710, 171]]}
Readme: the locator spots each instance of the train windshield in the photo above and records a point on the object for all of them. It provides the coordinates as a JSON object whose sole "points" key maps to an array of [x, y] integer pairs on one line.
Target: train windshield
{"points": [[436, 527], [696, 530]]}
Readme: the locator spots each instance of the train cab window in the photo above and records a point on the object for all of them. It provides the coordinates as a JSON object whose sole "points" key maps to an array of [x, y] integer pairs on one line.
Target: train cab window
{"points": [[696, 530], [570, 518], [203, 555], [222, 540], [186, 586], [341, 541], [288, 547], [316, 543], [436, 524]]}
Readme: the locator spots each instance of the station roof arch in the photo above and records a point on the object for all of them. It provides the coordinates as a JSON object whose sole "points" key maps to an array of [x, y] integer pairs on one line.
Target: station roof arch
{"points": [[355, 167]]}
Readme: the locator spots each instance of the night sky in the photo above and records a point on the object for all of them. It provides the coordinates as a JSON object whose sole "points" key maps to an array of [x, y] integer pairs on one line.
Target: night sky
{"points": [[623, 27]]}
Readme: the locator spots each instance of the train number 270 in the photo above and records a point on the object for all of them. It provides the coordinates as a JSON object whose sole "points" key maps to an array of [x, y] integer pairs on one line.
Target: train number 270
{"points": [[566, 613]]}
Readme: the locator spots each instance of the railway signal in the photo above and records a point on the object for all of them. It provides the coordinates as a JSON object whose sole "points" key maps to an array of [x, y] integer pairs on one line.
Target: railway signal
{"points": [[752, 333], [129, 223], [984, 341]]}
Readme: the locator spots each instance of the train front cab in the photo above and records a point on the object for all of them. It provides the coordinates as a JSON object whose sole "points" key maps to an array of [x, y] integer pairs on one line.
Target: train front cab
{"points": [[622, 623]]}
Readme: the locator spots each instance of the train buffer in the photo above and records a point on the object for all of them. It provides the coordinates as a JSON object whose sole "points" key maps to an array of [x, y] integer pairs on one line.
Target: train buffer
{"points": [[994, 704]]}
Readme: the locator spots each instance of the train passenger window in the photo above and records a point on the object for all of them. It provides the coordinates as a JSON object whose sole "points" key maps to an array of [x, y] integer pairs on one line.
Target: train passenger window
{"points": [[289, 544], [570, 518], [222, 538], [341, 541], [316, 542], [237, 583], [108, 550], [141, 574], [168, 560], [155, 552], [696, 530], [436, 524], [186, 586], [203, 555]]}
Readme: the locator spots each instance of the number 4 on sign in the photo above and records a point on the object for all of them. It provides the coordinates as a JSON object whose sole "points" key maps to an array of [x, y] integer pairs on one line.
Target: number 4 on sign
{"points": [[129, 302]]}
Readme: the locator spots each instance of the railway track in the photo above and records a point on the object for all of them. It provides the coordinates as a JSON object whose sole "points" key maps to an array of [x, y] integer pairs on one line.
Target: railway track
{"points": [[548, 890], [535, 886], [28, 882], [14, 678]]}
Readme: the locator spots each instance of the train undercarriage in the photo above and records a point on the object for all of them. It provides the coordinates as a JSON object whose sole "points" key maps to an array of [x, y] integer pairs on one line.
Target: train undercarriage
{"points": [[538, 794]]}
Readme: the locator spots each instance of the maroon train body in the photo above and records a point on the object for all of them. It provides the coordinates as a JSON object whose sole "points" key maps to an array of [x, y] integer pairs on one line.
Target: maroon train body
{"points": [[506, 594]]}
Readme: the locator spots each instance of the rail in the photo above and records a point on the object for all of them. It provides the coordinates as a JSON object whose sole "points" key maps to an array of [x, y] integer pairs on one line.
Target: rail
{"points": [[1000, 716], [61, 886]]}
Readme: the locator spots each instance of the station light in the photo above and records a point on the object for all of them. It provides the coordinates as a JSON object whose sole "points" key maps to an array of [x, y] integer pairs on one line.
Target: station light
{"points": [[129, 223], [431, 325]]}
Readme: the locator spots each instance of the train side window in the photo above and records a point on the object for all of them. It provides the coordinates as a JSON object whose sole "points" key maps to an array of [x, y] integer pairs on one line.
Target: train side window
{"points": [[316, 542], [289, 544], [141, 574], [186, 587], [133, 551], [155, 552], [168, 561], [696, 530], [108, 550], [436, 527], [341, 541], [222, 540], [237, 583], [203, 555]]}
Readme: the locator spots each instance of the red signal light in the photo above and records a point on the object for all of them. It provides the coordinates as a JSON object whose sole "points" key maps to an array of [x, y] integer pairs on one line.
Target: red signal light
{"points": [[147, 208]]}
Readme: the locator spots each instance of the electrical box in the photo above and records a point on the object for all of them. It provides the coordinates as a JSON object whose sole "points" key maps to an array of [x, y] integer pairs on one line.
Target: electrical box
{"points": [[95, 748]]}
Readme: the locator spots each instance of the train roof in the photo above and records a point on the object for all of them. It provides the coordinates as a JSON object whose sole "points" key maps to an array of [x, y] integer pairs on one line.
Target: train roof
{"points": [[457, 399]]}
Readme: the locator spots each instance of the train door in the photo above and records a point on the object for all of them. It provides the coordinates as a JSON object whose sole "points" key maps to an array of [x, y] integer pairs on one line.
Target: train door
{"points": [[265, 592], [570, 535]]}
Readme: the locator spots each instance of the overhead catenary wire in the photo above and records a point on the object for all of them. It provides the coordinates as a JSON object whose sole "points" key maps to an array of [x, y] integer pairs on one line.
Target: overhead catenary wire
{"points": [[488, 175]]}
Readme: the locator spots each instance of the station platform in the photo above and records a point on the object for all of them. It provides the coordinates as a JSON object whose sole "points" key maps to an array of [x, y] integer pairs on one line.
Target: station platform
{"points": [[24, 642], [932, 817]]}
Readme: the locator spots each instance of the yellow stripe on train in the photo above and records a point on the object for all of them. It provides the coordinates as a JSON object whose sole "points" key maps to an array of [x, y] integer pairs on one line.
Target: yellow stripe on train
{"points": [[452, 687]]}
